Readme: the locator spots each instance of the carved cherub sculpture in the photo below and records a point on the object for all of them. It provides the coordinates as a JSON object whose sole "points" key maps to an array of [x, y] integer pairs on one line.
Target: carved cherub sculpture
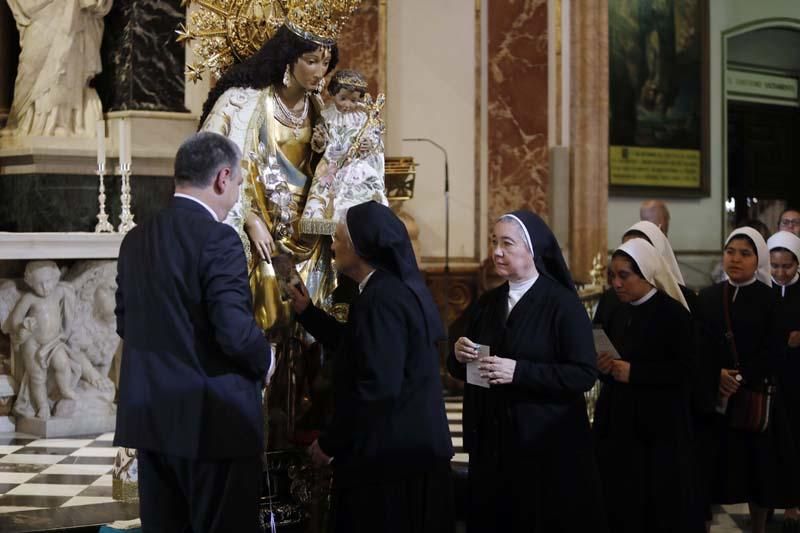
{"points": [[39, 325]]}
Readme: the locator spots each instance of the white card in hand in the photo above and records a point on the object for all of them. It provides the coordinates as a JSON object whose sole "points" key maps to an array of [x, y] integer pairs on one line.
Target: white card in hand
{"points": [[473, 373], [603, 344]]}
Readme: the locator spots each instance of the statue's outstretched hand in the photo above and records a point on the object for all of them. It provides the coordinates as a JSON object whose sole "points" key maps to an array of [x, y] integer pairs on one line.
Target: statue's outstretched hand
{"points": [[260, 237]]}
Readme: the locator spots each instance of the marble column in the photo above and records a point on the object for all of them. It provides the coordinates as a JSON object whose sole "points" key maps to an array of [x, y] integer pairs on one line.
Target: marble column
{"points": [[589, 134], [9, 56], [143, 65], [517, 107], [362, 44]]}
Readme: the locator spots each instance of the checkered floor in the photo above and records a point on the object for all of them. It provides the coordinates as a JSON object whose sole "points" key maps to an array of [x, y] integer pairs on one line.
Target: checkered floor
{"points": [[46, 473], [727, 519]]}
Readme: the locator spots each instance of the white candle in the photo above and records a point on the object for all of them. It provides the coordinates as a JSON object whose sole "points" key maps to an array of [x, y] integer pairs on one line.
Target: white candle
{"points": [[100, 130], [124, 142]]}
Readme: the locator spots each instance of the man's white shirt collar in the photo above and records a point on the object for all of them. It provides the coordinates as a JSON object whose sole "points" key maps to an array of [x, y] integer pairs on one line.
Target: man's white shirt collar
{"points": [[192, 198]]}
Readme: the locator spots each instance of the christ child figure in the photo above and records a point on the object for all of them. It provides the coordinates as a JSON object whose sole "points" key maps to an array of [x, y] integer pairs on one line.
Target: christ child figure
{"points": [[350, 137]]}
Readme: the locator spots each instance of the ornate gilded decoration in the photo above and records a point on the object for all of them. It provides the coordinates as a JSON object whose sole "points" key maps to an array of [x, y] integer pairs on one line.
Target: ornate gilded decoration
{"points": [[223, 32], [351, 81], [319, 21]]}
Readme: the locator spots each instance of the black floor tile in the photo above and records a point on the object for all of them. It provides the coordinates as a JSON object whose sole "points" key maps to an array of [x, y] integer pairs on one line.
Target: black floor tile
{"points": [[32, 501], [100, 492], [5, 487], [22, 468], [35, 450], [77, 460], [15, 441], [64, 479]]}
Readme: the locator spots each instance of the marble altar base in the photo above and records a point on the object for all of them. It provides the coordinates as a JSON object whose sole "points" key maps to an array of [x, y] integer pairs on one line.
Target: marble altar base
{"points": [[66, 427], [7, 424]]}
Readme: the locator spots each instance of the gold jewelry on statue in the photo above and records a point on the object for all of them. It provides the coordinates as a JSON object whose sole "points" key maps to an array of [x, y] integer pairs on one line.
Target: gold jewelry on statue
{"points": [[351, 81], [321, 86], [223, 32], [319, 21], [289, 117], [287, 76]]}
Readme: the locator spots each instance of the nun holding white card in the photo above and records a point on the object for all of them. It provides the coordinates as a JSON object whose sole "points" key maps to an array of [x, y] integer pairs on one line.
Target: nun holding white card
{"points": [[642, 421]]}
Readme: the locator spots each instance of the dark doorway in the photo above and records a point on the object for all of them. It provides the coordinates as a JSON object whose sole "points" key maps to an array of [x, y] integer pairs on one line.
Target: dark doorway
{"points": [[763, 154]]}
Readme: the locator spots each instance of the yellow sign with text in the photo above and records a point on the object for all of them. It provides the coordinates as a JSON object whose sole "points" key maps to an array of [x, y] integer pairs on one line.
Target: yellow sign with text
{"points": [[654, 167]]}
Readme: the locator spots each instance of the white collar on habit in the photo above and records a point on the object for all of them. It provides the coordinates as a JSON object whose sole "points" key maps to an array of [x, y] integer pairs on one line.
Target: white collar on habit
{"points": [[192, 198], [791, 282], [517, 289], [364, 282], [646, 297], [740, 285]]}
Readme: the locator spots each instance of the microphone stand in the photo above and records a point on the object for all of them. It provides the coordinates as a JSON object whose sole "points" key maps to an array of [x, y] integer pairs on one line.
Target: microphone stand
{"points": [[446, 230]]}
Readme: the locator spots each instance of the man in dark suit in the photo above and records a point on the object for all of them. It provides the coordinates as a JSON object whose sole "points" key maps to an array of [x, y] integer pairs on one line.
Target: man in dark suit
{"points": [[194, 360]]}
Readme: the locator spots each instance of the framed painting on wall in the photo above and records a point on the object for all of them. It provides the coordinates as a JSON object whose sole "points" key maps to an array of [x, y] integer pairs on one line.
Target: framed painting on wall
{"points": [[658, 135]]}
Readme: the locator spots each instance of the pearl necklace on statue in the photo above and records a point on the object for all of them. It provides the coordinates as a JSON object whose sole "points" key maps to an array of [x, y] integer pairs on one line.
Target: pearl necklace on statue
{"points": [[289, 117]]}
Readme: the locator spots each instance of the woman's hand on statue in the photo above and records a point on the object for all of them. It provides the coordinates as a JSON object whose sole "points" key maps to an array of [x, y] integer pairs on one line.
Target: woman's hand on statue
{"points": [[621, 371], [298, 294], [260, 237], [498, 370], [794, 339], [318, 457], [465, 350], [605, 362], [728, 384]]}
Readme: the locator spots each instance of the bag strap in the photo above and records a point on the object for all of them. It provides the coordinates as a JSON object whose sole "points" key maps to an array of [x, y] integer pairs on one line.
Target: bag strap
{"points": [[726, 309]]}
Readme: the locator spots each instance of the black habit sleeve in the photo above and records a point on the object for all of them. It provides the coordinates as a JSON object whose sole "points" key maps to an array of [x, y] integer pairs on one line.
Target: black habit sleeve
{"points": [[575, 366], [322, 326], [378, 349]]}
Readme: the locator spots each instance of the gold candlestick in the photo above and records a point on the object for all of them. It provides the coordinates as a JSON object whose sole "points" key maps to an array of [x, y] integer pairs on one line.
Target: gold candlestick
{"points": [[103, 225], [126, 222]]}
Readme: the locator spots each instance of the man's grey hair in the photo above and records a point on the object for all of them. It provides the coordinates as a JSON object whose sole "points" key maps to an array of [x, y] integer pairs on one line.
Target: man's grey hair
{"points": [[201, 156]]}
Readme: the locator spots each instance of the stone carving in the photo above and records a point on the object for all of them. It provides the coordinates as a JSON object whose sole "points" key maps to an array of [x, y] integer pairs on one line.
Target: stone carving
{"points": [[63, 339], [60, 42]]}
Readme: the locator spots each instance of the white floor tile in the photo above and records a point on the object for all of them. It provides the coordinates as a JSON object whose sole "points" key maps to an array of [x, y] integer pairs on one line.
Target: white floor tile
{"points": [[106, 437], [454, 417], [103, 481], [12, 509], [16, 477], [46, 489], [32, 459], [83, 470], [95, 452], [458, 442], [86, 500], [461, 458], [60, 443], [456, 428], [5, 450]]}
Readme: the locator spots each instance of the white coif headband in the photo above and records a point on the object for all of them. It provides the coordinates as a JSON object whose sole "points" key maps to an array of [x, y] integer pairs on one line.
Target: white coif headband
{"points": [[653, 268], [525, 234]]}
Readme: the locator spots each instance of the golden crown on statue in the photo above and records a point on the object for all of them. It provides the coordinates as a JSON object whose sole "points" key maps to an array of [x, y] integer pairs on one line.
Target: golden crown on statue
{"points": [[223, 32]]}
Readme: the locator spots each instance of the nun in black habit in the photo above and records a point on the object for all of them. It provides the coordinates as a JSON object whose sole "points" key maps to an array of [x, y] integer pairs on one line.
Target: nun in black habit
{"points": [[642, 421], [389, 442], [755, 467], [531, 461]]}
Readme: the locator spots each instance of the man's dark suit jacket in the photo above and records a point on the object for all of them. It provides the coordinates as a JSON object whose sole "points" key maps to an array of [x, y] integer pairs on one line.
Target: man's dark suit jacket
{"points": [[193, 357]]}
